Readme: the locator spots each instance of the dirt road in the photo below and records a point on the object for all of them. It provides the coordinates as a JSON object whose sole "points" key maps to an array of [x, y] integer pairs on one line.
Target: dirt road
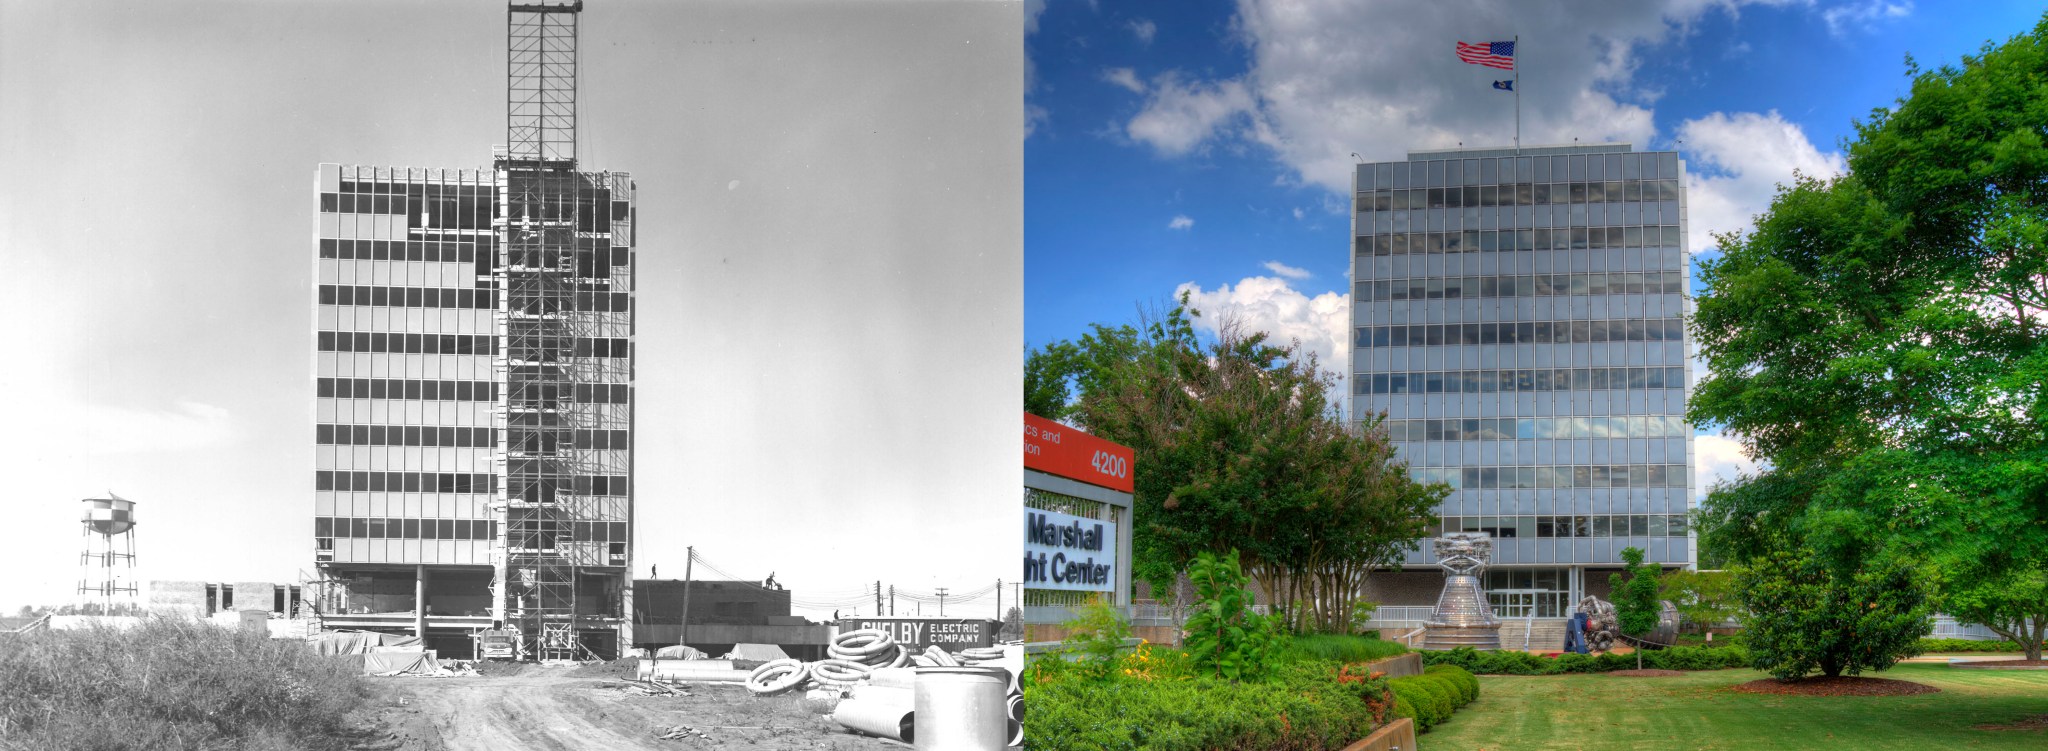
{"points": [[551, 710]]}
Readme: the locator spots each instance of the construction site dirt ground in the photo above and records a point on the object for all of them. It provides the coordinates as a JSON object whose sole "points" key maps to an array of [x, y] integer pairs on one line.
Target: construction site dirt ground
{"points": [[564, 708]]}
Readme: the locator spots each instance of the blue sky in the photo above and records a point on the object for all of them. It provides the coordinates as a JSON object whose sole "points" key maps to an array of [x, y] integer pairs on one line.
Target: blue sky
{"points": [[1203, 146]]}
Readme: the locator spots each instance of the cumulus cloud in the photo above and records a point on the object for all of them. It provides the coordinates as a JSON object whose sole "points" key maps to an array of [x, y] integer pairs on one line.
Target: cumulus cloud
{"points": [[1181, 115], [1717, 458], [1124, 77], [102, 429], [1321, 323], [1286, 270], [1144, 30], [1735, 163], [1322, 79], [1853, 16], [1180, 222]]}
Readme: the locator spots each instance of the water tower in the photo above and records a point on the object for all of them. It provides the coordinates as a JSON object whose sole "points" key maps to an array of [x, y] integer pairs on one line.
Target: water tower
{"points": [[107, 567]]}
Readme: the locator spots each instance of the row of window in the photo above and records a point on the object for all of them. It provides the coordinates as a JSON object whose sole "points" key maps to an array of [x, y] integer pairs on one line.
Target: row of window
{"points": [[1439, 173], [526, 481], [326, 434], [407, 297], [352, 203], [1599, 525], [1538, 285], [1523, 194], [405, 529], [1522, 332], [1508, 240], [410, 344], [1582, 476], [404, 482], [403, 250], [402, 388], [1531, 428], [465, 190], [451, 529], [1519, 381]]}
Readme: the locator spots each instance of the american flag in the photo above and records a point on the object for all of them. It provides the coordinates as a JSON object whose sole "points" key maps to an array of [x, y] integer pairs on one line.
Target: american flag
{"points": [[1490, 54]]}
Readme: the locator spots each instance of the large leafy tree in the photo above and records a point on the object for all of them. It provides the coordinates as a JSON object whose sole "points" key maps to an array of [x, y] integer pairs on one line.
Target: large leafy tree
{"points": [[1240, 445], [1881, 338]]}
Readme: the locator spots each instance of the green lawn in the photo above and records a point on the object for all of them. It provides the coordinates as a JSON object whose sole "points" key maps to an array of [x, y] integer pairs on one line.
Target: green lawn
{"points": [[1698, 711]]}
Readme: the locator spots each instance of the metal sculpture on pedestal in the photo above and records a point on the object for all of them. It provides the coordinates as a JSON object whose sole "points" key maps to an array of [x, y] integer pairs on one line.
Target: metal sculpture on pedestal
{"points": [[1462, 617], [1602, 626]]}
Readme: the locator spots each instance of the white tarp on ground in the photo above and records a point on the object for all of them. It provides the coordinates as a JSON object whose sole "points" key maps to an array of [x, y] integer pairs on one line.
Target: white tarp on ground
{"points": [[757, 652], [360, 642], [680, 652], [400, 663]]}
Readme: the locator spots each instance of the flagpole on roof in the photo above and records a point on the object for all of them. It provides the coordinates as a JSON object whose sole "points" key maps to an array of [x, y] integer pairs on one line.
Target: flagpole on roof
{"points": [[1518, 95]]}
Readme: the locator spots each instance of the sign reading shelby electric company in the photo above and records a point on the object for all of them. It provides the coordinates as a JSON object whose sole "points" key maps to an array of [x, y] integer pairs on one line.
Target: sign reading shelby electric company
{"points": [[1056, 449], [1062, 551], [950, 634]]}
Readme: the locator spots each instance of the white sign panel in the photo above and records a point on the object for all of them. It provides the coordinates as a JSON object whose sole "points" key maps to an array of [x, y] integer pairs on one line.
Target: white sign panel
{"points": [[1062, 551]]}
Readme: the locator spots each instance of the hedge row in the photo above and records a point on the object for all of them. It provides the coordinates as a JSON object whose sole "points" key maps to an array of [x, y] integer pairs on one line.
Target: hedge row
{"points": [[1305, 707], [1968, 645], [1524, 663], [1430, 698], [1340, 648]]}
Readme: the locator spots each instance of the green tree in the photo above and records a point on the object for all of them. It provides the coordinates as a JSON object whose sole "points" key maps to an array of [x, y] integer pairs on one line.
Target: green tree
{"points": [[1047, 372], [1704, 598], [1635, 596], [1240, 446], [1881, 339], [1225, 638], [1013, 625], [1803, 615]]}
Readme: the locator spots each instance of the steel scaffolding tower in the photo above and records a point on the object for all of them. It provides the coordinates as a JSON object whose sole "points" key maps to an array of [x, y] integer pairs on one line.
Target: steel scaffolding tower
{"points": [[554, 228]]}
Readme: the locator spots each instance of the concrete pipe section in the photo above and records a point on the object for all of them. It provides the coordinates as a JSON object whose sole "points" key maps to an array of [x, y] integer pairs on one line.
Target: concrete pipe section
{"points": [[962, 709], [878, 717]]}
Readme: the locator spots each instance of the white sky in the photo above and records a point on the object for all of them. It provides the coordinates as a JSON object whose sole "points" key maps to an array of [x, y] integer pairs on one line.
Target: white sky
{"points": [[830, 282]]}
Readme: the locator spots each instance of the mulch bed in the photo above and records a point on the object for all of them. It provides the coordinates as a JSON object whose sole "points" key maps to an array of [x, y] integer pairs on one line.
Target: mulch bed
{"points": [[2002, 664], [1847, 685], [2030, 722], [1646, 673]]}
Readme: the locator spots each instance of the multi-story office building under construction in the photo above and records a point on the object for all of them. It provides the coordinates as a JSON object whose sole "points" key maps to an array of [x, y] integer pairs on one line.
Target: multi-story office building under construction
{"points": [[474, 361], [1519, 319]]}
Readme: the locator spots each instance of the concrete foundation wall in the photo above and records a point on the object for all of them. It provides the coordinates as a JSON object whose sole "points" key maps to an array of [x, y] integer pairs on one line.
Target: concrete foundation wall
{"points": [[178, 598]]}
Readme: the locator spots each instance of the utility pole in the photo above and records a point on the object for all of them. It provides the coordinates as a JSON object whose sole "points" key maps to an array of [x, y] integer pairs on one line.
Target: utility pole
{"points": [[878, 597], [892, 599], [685, 638], [999, 599], [942, 602]]}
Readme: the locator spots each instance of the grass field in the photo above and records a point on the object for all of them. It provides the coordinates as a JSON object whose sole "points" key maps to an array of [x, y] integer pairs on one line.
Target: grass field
{"points": [[1698, 711]]}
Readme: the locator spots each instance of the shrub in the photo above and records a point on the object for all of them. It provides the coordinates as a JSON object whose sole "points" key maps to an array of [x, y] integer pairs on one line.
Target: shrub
{"points": [[1095, 635], [1431, 697], [1802, 616], [1467, 685], [1523, 663], [1224, 636], [1339, 648], [1304, 707], [172, 684], [1967, 645]]}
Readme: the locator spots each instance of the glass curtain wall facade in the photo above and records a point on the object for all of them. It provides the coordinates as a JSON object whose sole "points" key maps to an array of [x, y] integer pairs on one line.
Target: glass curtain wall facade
{"points": [[416, 372], [1519, 321]]}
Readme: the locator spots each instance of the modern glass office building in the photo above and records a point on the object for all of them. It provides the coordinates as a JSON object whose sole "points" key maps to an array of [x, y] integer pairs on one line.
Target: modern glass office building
{"points": [[1518, 318]]}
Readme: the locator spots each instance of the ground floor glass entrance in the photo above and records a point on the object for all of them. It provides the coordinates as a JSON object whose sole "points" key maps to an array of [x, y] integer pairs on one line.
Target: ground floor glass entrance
{"points": [[1529, 592]]}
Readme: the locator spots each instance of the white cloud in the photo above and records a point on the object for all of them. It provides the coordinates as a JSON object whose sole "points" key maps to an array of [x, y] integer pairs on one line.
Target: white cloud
{"points": [[1286, 270], [1321, 323], [1865, 15], [1180, 222], [1734, 165], [1298, 213], [1314, 93], [1033, 115], [1180, 116], [1032, 10], [1144, 30], [1124, 77], [1717, 458]]}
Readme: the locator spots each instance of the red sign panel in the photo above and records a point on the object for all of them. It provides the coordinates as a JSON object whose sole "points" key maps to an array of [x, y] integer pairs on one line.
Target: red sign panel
{"points": [[1056, 449]]}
